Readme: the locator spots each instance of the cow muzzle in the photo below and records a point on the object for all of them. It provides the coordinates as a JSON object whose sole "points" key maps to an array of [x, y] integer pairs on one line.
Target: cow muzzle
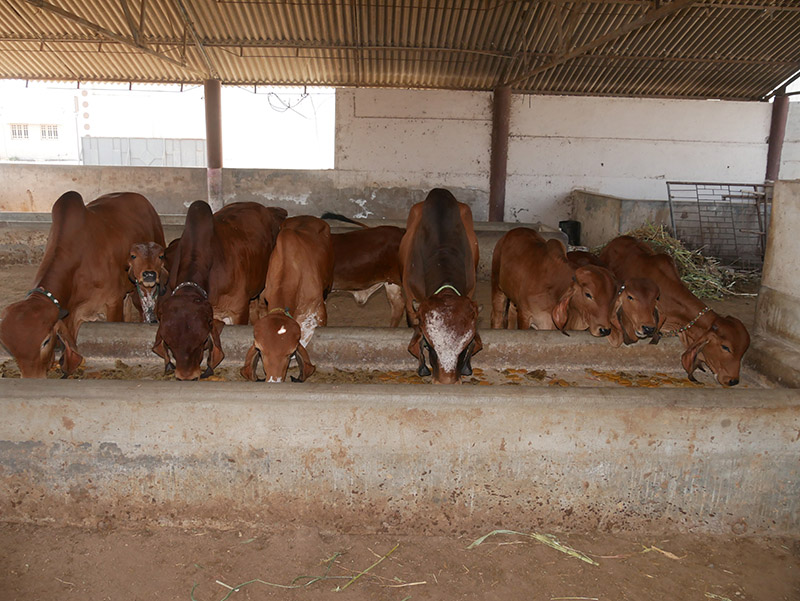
{"points": [[149, 278]]}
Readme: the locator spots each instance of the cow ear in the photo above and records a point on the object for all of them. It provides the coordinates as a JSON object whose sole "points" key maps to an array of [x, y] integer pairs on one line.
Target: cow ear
{"points": [[163, 280], [689, 358], [661, 318], [304, 362], [250, 364], [70, 358], [216, 356], [561, 310], [160, 349], [617, 336], [415, 348]]}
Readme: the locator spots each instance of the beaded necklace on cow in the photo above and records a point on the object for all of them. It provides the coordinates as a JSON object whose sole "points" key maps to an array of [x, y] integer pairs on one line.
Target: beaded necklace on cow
{"points": [[62, 312], [190, 283], [453, 288], [279, 310], [687, 326], [139, 290]]}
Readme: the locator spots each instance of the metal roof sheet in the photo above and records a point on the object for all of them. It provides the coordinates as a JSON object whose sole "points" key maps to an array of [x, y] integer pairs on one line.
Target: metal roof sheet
{"points": [[735, 49]]}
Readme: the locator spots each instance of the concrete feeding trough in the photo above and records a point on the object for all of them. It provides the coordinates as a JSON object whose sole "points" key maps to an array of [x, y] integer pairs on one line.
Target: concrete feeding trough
{"points": [[421, 458], [414, 458]]}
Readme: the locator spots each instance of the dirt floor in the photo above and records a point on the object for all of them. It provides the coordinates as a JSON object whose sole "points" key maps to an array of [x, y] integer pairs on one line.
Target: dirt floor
{"points": [[299, 562]]}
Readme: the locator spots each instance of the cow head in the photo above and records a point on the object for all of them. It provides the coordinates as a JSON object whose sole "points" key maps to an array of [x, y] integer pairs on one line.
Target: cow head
{"points": [[147, 269], [448, 332], [276, 341], [31, 330], [721, 348], [587, 302], [186, 330], [635, 313]]}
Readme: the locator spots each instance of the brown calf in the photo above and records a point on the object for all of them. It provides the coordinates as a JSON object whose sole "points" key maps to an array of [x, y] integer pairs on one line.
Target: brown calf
{"points": [[709, 339]]}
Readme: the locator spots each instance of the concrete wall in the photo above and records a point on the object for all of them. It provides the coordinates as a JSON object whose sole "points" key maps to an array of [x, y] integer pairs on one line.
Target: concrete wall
{"points": [[777, 341], [605, 217], [790, 157], [393, 146], [405, 458], [626, 147]]}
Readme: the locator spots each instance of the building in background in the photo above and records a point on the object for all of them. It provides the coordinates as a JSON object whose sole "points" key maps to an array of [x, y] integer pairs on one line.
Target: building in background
{"points": [[148, 125]]}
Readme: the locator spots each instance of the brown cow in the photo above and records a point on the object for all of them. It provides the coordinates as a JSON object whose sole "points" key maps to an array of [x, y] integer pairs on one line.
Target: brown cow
{"points": [[548, 294], [148, 272], [581, 258], [710, 339], [439, 260], [366, 260], [277, 340], [300, 273], [220, 263], [635, 313], [81, 278]]}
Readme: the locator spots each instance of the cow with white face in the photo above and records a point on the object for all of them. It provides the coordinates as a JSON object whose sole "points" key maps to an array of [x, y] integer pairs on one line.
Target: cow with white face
{"points": [[439, 260]]}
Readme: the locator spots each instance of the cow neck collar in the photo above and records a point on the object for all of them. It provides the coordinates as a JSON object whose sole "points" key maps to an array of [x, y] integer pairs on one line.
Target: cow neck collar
{"points": [[444, 286], [194, 285], [62, 312], [285, 311], [683, 329]]}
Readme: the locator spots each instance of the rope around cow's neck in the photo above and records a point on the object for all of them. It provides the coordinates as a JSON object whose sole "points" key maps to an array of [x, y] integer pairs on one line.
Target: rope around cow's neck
{"points": [[442, 287], [190, 283], [688, 325], [285, 311]]}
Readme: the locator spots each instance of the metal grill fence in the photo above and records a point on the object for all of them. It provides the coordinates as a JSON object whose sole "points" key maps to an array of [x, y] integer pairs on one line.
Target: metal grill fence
{"points": [[721, 220]]}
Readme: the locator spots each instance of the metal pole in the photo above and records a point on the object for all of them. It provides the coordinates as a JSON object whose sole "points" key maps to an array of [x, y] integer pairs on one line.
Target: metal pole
{"points": [[777, 131], [501, 112], [212, 89]]}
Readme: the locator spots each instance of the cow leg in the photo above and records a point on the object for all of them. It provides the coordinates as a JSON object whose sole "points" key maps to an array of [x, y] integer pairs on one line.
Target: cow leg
{"points": [[525, 319], [500, 304], [394, 295], [512, 315], [114, 311]]}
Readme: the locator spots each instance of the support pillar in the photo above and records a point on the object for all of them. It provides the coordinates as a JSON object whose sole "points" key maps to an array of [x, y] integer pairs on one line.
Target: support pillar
{"points": [[501, 111], [212, 89], [777, 131]]}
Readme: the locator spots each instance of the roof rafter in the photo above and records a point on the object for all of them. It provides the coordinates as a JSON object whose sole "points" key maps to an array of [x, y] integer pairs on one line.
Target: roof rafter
{"points": [[105, 32], [190, 23], [649, 17]]}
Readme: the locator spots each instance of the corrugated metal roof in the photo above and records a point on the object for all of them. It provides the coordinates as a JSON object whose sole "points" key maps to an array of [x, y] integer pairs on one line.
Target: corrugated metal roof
{"points": [[737, 49]]}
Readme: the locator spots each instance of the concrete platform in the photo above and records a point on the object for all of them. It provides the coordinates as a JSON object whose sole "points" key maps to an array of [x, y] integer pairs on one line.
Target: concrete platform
{"points": [[349, 348]]}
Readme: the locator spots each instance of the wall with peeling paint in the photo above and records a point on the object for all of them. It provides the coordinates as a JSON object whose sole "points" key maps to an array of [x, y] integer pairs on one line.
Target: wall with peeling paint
{"points": [[393, 146]]}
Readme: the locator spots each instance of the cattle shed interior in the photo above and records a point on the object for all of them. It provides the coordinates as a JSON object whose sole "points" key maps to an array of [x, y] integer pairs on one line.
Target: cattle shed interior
{"points": [[475, 77]]}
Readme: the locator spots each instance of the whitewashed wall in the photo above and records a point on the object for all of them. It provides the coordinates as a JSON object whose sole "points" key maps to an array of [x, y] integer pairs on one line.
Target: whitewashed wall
{"points": [[413, 138], [790, 163], [617, 146]]}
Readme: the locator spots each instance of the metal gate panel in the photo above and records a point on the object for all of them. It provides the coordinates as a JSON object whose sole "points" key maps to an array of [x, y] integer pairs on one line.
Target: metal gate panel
{"points": [[722, 220]]}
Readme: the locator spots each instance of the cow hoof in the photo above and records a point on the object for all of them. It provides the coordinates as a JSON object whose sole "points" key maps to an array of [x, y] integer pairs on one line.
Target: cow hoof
{"points": [[423, 370], [293, 379], [169, 368], [208, 372]]}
